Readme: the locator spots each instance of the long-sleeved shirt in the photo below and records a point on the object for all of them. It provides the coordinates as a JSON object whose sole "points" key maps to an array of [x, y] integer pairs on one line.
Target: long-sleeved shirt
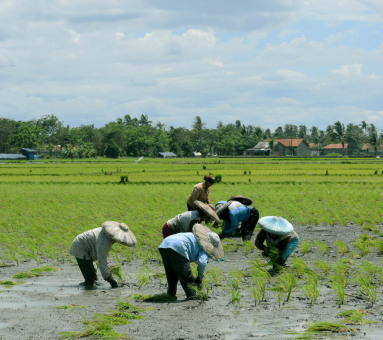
{"points": [[200, 192], [181, 223], [237, 213], [93, 245], [279, 242], [187, 246]]}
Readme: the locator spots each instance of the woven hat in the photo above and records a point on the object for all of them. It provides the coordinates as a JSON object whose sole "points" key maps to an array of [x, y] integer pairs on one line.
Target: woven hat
{"points": [[208, 210], [276, 225], [119, 232], [208, 241], [242, 199], [219, 208]]}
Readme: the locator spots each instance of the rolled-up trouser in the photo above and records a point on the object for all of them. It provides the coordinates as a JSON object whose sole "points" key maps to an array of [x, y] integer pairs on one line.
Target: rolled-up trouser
{"points": [[88, 270], [177, 268], [248, 226], [289, 249]]}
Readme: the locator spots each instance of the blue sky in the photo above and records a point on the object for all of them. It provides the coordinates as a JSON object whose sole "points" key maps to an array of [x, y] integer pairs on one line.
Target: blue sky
{"points": [[265, 63]]}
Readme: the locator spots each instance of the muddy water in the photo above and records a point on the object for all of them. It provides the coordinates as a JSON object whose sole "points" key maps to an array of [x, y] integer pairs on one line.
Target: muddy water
{"points": [[29, 309]]}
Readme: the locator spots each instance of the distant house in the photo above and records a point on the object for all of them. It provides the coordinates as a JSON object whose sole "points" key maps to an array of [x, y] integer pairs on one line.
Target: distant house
{"points": [[368, 149], [12, 156], [335, 148], [167, 154], [291, 147], [29, 153], [261, 149], [315, 149], [197, 154]]}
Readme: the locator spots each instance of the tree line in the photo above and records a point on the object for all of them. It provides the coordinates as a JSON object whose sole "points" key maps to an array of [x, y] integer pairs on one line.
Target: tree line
{"points": [[131, 136]]}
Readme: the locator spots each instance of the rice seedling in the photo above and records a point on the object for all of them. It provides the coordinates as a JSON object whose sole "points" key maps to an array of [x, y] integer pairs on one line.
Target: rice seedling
{"points": [[45, 269], [321, 246], [305, 247], [153, 297], [200, 294], [71, 307], [355, 317], [249, 246], [299, 266], [214, 276], [322, 266], [363, 244], [260, 278], [278, 293], [25, 275], [144, 277], [117, 271], [233, 288], [378, 245], [367, 288], [286, 281], [341, 247], [326, 328], [7, 283], [310, 287], [338, 283]]}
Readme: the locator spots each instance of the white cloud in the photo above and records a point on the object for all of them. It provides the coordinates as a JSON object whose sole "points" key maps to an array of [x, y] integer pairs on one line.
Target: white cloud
{"points": [[354, 70]]}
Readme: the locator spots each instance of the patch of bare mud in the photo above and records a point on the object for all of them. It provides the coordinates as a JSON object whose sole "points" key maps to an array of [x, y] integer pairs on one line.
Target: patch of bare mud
{"points": [[29, 310]]}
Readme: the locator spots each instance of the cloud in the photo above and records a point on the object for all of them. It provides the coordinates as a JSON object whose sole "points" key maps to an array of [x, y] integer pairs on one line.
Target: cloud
{"points": [[354, 70]]}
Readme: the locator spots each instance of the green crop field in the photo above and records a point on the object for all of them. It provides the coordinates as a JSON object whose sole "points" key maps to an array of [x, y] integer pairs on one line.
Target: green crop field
{"points": [[45, 205]]}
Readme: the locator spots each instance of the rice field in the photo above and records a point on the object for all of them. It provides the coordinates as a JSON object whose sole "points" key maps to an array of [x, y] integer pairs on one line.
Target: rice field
{"points": [[45, 205]]}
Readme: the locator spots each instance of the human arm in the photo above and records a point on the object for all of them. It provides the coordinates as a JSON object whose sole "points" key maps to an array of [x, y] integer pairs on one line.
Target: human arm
{"points": [[201, 264], [260, 239], [104, 244]]}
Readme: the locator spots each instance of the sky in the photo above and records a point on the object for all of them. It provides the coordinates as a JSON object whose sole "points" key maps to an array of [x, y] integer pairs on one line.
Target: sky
{"points": [[265, 63]]}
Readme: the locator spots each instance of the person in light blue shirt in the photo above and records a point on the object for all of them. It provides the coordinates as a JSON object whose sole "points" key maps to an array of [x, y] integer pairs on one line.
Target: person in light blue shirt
{"points": [[178, 250]]}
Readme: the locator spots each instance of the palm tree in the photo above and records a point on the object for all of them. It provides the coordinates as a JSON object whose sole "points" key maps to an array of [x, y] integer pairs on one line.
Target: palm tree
{"points": [[338, 132], [373, 137]]}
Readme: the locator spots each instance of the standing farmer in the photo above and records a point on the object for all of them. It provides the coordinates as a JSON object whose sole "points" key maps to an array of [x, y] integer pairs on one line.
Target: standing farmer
{"points": [[200, 192], [178, 250], [94, 245]]}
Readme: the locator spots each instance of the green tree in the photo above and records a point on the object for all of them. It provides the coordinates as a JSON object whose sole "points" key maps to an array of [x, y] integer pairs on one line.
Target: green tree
{"points": [[7, 133], [338, 133], [112, 150], [373, 137]]}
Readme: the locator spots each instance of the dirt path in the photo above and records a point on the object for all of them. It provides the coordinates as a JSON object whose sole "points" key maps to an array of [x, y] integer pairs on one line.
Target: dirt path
{"points": [[29, 310]]}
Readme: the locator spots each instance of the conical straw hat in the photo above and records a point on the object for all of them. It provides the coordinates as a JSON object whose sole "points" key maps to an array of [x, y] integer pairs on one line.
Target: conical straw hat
{"points": [[275, 225], [244, 200], [207, 209], [208, 241], [119, 232], [221, 207]]}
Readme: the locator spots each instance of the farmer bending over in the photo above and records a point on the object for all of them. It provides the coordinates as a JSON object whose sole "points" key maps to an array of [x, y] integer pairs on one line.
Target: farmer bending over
{"points": [[278, 234], [94, 245], [200, 192], [232, 212], [177, 251], [183, 223]]}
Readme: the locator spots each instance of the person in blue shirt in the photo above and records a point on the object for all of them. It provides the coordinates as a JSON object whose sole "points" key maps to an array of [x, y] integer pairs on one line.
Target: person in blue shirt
{"points": [[178, 250], [233, 212]]}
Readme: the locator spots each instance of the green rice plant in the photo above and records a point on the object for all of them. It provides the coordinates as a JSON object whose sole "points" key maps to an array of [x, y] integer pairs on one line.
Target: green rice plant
{"points": [[127, 306], [321, 246], [322, 266], [117, 271], [200, 294], [25, 275], [310, 287], [363, 244], [229, 245], [278, 293], [286, 281], [95, 331], [305, 247], [325, 329], [366, 286], [144, 277], [299, 266], [338, 283], [342, 268], [355, 317], [45, 269], [249, 246], [234, 290], [7, 283], [214, 276], [341, 247], [378, 245], [71, 307], [368, 269]]}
